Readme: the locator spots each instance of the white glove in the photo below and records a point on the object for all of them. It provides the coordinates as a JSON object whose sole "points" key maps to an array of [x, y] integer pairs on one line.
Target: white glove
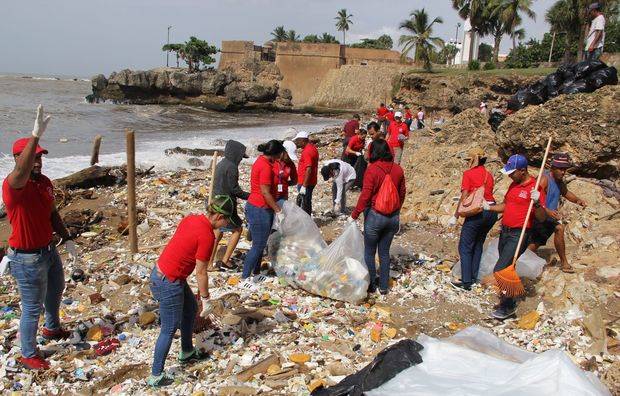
{"points": [[280, 217], [350, 220], [40, 123], [207, 307], [71, 249], [452, 222], [336, 208], [302, 190], [402, 137], [358, 153], [485, 205], [535, 195]]}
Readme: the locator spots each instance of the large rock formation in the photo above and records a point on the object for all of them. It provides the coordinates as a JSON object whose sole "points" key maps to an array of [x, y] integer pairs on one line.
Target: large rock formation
{"points": [[585, 125], [217, 90]]}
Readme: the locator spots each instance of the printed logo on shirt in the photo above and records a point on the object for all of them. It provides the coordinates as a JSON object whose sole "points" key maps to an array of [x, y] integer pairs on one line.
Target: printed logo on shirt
{"points": [[523, 194]]}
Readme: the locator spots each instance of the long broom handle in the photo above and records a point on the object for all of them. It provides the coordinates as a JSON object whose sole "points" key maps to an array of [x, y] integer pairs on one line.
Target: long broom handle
{"points": [[529, 210]]}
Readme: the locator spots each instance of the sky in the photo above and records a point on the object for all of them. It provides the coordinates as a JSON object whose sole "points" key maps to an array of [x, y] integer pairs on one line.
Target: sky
{"points": [[85, 37]]}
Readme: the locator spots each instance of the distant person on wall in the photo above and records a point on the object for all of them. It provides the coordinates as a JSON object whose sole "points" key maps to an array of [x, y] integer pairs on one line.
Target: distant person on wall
{"points": [[348, 131], [32, 256], [226, 182], [420, 118], [398, 133], [596, 35], [515, 208], [190, 248], [554, 187], [343, 178], [285, 172], [408, 117], [307, 170], [381, 113], [355, 147]]}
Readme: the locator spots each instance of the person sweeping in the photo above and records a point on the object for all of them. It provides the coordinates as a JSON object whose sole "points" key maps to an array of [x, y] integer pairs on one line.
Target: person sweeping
{"points": [[515, 231]]}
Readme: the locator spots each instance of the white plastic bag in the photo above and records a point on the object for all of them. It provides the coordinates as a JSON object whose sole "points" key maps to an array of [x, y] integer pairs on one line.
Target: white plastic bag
{"points": [[302, 259], [529, 265]]}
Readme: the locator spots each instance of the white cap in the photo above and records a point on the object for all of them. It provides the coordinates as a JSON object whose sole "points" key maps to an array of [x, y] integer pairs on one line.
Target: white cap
{"points": [[390, 108], [291, 132], [301, 135], [398, 114], [290, 149]]}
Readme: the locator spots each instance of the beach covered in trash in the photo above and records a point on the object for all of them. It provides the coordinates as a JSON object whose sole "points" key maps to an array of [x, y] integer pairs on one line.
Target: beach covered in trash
{"points": [[275, 339]]}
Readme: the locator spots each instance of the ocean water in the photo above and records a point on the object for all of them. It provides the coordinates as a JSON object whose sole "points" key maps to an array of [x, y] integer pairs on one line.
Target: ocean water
{"points": [[75, 123]]}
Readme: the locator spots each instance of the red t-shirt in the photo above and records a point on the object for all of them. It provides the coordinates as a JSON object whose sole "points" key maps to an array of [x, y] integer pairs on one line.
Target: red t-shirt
{"points": [[381, 112], [261, 175], [350, 127], [395, 129], [474, 177], [373, 178], [193, 240], [408, 115], [282, 173], [356, 143], [309, 158], [369, 149], [517, 200], [29, 210], [390, 116]]}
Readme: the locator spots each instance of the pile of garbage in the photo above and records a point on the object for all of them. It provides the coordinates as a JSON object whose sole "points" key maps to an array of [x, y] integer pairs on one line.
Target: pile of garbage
{"points": [[585, 76]]}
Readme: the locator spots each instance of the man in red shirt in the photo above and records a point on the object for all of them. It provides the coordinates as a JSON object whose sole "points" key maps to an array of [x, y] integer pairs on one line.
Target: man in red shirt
{"points": [[515, 208], [190, 248], [348, 131], [33, 259], [398, 132], [307, 170], [355, 147]]}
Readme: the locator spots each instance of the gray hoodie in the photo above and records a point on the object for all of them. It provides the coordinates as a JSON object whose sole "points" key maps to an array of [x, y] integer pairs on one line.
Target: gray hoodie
{"points": [[227, 172]]}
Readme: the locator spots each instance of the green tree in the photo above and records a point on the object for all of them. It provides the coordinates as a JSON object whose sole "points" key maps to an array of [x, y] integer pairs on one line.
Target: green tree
{"points": [[311, 38], [475, 10], [563, 20], [485, 52], [291, 35], [343, 22], [383, 42], [194, 52], [510, 15], [279, 34], [448, 53], [419, 37], [494, 26], [328, 39]]}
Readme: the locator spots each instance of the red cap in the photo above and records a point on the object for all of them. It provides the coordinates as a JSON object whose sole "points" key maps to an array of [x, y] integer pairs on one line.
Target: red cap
{"points": [[20, 145]]}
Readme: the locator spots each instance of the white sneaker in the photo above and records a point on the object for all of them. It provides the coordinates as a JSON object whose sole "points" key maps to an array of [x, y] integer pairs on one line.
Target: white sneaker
{"points": [[247, 285], [259, 278]]}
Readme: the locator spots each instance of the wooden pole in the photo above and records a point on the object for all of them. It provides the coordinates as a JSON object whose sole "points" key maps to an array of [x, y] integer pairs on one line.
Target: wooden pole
{"points": [[94, 157], [213, 165], [131, 190], [551, 49]]}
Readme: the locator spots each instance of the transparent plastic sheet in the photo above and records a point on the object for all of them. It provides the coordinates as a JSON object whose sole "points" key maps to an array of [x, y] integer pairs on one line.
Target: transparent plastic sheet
{"points": [[303, 260], [476, 362], [529, 265]]}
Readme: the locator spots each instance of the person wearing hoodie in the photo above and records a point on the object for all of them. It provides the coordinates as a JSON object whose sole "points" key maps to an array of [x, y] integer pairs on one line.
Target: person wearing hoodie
{"points": [[226, 182]]}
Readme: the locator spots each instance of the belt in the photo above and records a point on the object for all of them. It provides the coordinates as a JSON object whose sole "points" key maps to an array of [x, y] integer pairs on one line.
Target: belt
{"points": [[42, 250], [513, 228]]}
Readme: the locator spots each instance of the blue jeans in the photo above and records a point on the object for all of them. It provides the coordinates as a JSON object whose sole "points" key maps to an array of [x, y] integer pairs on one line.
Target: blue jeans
{"points": [[473, 234], [177, 309], [260, 221], [594, 55], [379, 230], [41, 281], [306, 202]]}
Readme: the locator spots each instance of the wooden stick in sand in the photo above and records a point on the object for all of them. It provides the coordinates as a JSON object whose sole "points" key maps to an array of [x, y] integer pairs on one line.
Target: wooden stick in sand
{"points": [[94, 157], [131, 190], [213, 165]]}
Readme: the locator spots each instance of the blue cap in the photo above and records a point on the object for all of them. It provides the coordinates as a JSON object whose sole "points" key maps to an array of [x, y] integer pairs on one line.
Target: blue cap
{"points": [[516, 161]]}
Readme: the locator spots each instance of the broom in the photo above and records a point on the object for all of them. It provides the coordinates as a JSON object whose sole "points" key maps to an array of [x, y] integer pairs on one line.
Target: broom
{"points": [[507, 279]]}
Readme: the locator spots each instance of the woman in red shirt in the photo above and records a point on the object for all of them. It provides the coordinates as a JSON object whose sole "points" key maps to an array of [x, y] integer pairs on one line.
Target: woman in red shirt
{"points": [[475, 228], [379, 229], [190, 248], [261, 205], [285, 172]]}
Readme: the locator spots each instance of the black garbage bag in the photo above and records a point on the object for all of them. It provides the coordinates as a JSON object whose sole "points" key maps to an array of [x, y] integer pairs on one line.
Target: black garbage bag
{"points": [[579, 86], [566, 71], [553, 82], [602, 77], [360, 169], [520, 100], [538, 93], [384, 367], [585, 68], [496, 119]]}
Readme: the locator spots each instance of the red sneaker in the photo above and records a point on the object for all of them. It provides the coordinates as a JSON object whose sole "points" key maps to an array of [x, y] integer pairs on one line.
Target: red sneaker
{"points": [[34, 363], [58, 334]]}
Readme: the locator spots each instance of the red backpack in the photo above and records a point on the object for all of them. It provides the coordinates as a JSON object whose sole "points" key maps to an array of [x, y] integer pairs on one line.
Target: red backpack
{"points": [[387, 200]]}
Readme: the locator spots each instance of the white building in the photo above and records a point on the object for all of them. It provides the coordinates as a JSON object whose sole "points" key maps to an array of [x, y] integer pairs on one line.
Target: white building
{"points": [[469, 38]]}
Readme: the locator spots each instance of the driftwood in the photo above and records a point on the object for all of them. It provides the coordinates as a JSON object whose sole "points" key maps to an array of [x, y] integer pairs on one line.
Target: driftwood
{"points": [[93, 176]]}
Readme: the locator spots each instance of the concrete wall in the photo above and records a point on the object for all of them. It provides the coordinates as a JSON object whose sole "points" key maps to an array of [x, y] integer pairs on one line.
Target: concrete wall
{"points": [[358, 56], [304, 65], [234, 52]]}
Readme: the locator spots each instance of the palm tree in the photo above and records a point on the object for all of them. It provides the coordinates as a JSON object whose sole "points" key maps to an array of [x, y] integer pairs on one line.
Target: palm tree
{"points": [[311, 38], [419, 37], [562, 19], [279, 34], [475, 11], [343, 20], [328, 39], [494, 25], [291, 35], [510, 11], [515, 35], [449, 52]]}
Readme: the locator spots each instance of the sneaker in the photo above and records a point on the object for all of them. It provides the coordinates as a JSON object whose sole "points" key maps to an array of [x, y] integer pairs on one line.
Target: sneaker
{"points": [[247, 284], [259, 278], [383, 291], [503, 313], [34, 363], [372, 289], [191, 357], [159, 380], [58, 334], [460, 285]]}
